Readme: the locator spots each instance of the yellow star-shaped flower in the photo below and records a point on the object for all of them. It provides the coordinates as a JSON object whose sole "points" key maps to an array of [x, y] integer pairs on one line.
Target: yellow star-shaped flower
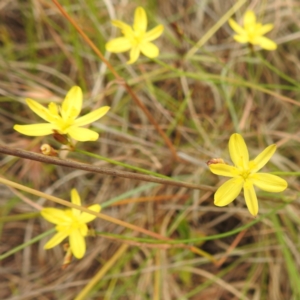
{"points": [[253, 32], [63, 120], [70, 223], [136, 38], [244, 175]]}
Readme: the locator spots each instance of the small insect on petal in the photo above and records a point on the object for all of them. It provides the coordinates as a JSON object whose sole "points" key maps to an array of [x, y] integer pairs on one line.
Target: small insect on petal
{"points": [[214, 161]]}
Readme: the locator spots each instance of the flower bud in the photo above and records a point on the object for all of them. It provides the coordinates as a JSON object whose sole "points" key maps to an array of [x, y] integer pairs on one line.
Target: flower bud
{"points": [[46, 149]]}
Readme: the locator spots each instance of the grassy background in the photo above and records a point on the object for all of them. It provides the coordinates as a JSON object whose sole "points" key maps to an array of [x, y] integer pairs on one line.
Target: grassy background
{"points": [[199, 100]]}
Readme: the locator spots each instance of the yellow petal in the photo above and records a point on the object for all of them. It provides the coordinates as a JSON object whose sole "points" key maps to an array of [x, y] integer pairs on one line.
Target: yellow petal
{"points": [[71, 106], [40, 110], [153, 34], [77, 244], [249, 18], [149, 50], [241, 39], [92, 116], [53, 109], [238, 151], [35, 129], [261, 159], [75, 198], [55, 216], [223, 170], [65, 227], [125, 28], [82, 134], [228, 191], [55, 240], [236, 27], [86, 217], [140, 20], [134, 55], [265, 28], [118, 45], [265, 43], [268, 182], [83, 229], [250, 198]]}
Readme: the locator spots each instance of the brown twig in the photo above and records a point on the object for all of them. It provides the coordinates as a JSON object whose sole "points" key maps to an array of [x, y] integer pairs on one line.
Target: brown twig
{"points": [[119, 79], [236, 241], [95, 169]]}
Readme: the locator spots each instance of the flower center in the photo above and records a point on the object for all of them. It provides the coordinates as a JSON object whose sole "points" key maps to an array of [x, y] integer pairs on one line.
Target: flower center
{"points": [[61, 123], [137, 37], [75, 224], [244, 174], [253, 31]]}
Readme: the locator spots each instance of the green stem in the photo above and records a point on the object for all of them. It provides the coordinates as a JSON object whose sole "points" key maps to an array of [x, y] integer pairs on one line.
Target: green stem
{"points": [[22, 246], [122, 164], [195, 240], [286, 173], [278, 72], [19, 217]]}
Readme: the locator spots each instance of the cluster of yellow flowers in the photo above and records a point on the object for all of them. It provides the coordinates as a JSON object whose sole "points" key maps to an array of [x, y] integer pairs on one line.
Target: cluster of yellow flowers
{"points": [[65, 121]]}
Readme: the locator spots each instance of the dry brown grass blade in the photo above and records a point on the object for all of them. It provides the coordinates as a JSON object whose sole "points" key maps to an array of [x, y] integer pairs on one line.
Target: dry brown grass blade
{"points": [[105, 171]]}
